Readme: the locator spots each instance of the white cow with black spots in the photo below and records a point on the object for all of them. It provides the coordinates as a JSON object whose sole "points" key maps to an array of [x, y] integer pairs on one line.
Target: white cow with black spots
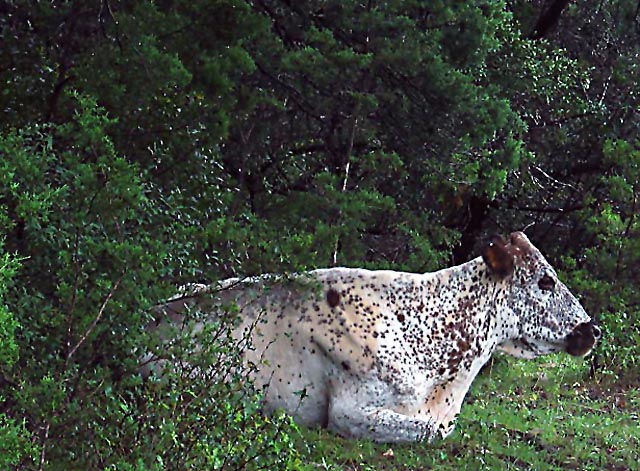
{"points": [[388, 355]]}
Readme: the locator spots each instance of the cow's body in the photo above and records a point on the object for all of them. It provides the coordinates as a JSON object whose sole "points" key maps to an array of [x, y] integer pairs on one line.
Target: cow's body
{"points": [[389, 355]]}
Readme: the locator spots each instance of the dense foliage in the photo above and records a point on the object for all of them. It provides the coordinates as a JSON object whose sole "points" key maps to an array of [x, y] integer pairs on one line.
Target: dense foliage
{"points": [[148, 144]]}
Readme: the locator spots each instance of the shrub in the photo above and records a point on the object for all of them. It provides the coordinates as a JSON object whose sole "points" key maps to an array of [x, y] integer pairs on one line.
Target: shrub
{"points": [[98, 245]]}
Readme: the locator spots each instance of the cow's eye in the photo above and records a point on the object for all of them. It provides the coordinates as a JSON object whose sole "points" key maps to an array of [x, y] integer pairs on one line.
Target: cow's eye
{"points": [[546, 283]]}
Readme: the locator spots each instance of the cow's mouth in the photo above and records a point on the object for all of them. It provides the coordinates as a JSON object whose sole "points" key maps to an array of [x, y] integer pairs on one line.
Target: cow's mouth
{"points": [[582, 339]]}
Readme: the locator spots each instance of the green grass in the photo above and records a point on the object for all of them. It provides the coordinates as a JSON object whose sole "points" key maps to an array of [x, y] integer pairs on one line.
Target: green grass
{"points": [[541, 415]]}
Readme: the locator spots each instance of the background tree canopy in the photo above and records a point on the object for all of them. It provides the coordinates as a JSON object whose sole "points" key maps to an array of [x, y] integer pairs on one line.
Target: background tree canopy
{"points": [[145, 144]]}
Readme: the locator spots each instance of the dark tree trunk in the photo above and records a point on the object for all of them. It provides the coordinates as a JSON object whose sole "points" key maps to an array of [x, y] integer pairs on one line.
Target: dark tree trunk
{"points": [[548, 19], [477, 210]]}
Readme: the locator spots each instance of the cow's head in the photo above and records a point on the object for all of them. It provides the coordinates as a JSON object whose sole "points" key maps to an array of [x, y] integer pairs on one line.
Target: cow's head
{"points": [[543, 316]]}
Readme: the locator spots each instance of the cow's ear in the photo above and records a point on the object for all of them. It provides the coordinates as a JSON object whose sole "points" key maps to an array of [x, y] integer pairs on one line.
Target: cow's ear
{"points": [[498, 257]]}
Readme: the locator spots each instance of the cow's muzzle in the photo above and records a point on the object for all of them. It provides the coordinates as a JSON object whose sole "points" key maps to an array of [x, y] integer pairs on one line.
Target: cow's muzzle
{"points": [[582, 339]]}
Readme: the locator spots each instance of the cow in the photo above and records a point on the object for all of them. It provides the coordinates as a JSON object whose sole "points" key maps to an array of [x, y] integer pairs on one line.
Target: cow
{"points": [[386, 355]]}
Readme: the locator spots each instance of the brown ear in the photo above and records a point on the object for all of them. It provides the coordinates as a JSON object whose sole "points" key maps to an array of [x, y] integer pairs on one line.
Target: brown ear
{"points": [[498, 257]]}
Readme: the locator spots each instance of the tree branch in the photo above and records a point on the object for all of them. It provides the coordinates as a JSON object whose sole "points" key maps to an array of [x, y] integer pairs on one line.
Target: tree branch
{"points": [[45, 437], [95, 321], [537, 209]]}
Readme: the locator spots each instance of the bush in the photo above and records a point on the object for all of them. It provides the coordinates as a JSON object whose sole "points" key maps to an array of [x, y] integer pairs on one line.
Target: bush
{"points": [[14, 436], [203, 412], [97, 248]]}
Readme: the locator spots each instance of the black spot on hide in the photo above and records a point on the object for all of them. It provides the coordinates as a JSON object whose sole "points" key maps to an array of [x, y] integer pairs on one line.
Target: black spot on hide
{"points": [[333, 297]]}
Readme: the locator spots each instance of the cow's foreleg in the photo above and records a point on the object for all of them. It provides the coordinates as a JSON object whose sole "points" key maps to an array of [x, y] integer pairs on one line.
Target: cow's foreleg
{"points": [[380, 425]]}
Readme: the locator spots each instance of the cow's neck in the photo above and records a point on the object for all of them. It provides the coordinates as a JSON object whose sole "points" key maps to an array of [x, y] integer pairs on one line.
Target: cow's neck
{"points": [[472, 308]]}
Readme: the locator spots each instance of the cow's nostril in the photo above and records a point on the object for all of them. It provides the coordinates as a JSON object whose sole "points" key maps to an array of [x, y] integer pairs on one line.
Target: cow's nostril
{"points": [[597, 333]]}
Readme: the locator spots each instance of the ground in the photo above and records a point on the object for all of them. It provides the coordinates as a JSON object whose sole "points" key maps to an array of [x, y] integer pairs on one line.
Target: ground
{"points": [[540, 415]]}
